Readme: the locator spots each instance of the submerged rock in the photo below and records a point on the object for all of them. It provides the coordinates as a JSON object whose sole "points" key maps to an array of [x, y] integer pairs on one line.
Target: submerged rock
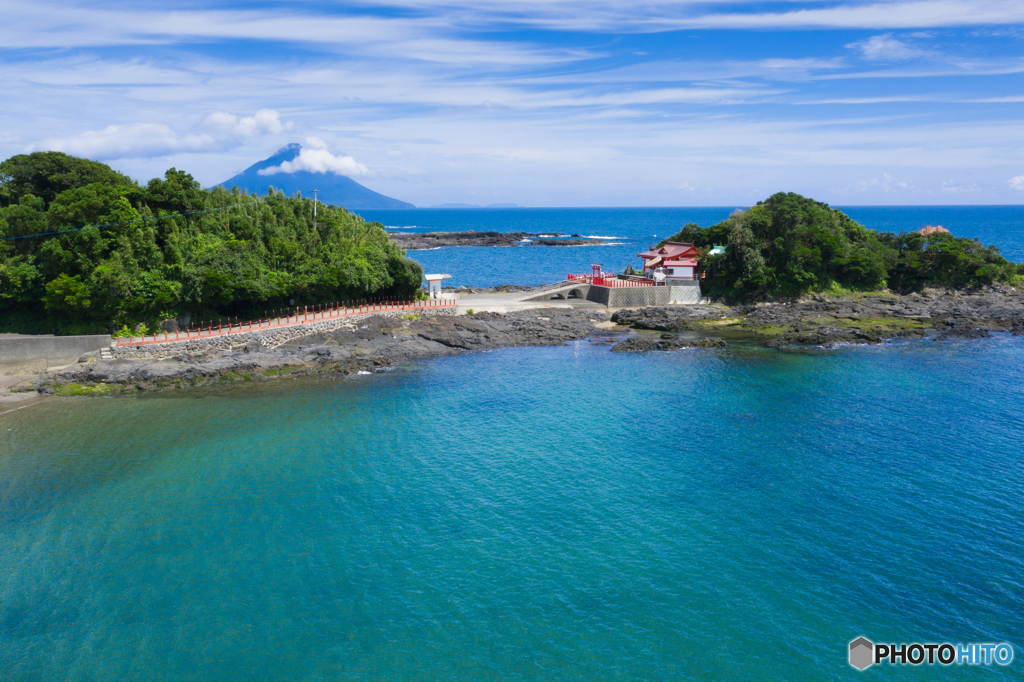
{"points": [[640, 344], [669, 318]]}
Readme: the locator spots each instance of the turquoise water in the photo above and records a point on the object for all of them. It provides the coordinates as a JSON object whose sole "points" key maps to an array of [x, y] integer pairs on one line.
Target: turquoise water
{"points": [[631, 230], [527, 514]]}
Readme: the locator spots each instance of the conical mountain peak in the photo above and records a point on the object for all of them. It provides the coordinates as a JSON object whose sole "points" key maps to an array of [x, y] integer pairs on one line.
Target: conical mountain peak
{"points": [[339, 190]]}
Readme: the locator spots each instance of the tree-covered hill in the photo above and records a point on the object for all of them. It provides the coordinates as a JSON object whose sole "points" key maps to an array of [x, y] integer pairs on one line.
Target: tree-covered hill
{"points": [[223, 253], [789, 245]]}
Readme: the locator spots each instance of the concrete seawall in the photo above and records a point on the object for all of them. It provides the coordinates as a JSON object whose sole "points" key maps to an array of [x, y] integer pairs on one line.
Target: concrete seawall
{"points": [[28, 354], [625, 297]]}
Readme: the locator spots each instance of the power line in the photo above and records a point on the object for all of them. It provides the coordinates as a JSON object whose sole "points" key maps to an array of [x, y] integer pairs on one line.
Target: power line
{"points": [[135, 220]]}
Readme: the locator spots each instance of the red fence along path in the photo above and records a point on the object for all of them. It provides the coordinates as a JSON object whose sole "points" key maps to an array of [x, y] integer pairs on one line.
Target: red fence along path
{"points": [[324, 312], [611, 281]]}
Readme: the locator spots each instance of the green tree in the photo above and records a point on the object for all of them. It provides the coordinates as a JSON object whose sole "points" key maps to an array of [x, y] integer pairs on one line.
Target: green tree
{"points": [[789, 245], [67, 295], [115, 253]]}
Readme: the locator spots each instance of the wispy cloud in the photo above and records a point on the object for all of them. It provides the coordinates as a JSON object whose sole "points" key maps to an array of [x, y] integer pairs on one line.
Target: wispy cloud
{"points": [[146, 140], [887, 48], [131, 140], [263, 122], [604, 101]]}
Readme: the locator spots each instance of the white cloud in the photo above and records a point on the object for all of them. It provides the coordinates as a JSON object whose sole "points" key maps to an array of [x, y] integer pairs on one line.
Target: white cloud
{"points": [[147, 140], [132, 140], [263, 122], [318, 161], [886, 48], [1017, 183], [315, 143]]}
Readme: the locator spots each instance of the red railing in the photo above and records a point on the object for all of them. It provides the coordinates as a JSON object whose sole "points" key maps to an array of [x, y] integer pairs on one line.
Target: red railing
{"points": [[306, 315], [623, 283], [609, 280]]}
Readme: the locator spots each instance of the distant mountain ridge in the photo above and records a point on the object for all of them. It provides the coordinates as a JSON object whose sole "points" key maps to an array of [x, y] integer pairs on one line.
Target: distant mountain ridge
{"points": [[505, 205], [339, 190]]}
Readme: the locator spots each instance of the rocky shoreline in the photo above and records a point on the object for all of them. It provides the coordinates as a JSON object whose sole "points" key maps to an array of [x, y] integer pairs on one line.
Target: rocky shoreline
{"points": [[370, 344], [375, 343], [868, 318], [435, 240]]}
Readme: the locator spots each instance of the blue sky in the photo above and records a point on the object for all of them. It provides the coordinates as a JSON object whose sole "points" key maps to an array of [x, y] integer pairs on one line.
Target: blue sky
{"points": [[554, 103]]}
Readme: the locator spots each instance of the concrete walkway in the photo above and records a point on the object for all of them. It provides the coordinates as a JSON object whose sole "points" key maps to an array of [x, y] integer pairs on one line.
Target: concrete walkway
{"points": [[525, 300]]}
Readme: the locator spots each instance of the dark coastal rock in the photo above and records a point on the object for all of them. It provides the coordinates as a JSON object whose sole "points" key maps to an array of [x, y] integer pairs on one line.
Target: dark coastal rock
{"points": [[568, 242], [434, 240], [369, 345], [824, 338], [828, 321], [964, 328], [669, 318], [641, 344]]}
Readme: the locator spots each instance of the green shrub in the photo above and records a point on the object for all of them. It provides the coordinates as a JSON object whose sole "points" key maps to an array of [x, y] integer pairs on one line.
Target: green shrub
{"points": [[118, 260], [788, 245]]}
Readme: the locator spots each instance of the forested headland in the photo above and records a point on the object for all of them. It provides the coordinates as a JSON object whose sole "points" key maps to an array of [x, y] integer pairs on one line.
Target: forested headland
{"points": [[789, 245], [85, 249]]}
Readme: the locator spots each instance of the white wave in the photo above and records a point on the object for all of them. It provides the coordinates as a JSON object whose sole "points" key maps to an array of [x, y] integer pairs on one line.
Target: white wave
{"points": [[583, 246], [548, 236], [362, 373], [597, 236], [400, 227]]}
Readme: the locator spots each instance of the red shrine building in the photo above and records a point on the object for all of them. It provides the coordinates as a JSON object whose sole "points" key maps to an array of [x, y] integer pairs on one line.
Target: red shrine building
{"points": [[678, 260]]}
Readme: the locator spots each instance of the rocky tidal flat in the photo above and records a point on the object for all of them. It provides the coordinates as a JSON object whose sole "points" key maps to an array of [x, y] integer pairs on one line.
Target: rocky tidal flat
{"points": [[377, 342], [366, 345], [827, 321]]}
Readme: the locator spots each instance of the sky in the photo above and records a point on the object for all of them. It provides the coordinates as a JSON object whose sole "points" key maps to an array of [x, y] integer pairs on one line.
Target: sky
{"points": [[541, 103]]}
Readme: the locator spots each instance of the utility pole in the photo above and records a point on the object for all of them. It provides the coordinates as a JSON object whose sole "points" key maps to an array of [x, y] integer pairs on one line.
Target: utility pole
{"points": [[314, 208]]}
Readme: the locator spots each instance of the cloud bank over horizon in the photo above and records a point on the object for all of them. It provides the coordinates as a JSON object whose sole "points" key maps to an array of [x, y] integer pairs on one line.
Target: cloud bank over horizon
{"points": [[554, 103]]}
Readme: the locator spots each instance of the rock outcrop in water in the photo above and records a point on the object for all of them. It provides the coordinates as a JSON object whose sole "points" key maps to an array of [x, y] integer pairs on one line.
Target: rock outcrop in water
{"points": [[642, 344], [669, 318], [434, 240]]}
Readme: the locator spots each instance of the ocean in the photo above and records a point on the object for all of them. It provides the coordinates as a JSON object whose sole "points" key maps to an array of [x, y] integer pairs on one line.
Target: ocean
{"points": [[558, 513], [628, 231]]}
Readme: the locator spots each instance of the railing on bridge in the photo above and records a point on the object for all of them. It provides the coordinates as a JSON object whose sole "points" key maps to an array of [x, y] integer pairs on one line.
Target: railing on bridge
{"points": [[306, 315], [610, 280]]}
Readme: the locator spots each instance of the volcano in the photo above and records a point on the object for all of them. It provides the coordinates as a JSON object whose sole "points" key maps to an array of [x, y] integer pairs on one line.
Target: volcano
{"points": [[339, 190]]}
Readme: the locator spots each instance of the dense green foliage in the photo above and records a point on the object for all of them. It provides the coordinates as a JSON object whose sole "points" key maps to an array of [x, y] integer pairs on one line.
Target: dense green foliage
{"points": [[234, 255], [789, 245]]}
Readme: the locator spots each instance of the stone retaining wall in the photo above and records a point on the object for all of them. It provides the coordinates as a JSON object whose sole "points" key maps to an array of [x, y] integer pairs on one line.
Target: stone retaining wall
{"points": [[269, 338], [639, 297], [685, 294]]}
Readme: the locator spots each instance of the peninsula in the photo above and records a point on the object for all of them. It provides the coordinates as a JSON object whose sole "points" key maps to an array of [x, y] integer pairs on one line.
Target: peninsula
{"points": [[414, 241]]}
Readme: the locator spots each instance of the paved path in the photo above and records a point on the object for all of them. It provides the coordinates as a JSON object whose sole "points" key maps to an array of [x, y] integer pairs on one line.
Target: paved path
{"points": [[524, 300]]}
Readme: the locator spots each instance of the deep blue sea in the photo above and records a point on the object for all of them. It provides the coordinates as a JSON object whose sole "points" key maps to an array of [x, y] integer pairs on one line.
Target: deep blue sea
{"points": [[562, 513], [631, 230]]}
